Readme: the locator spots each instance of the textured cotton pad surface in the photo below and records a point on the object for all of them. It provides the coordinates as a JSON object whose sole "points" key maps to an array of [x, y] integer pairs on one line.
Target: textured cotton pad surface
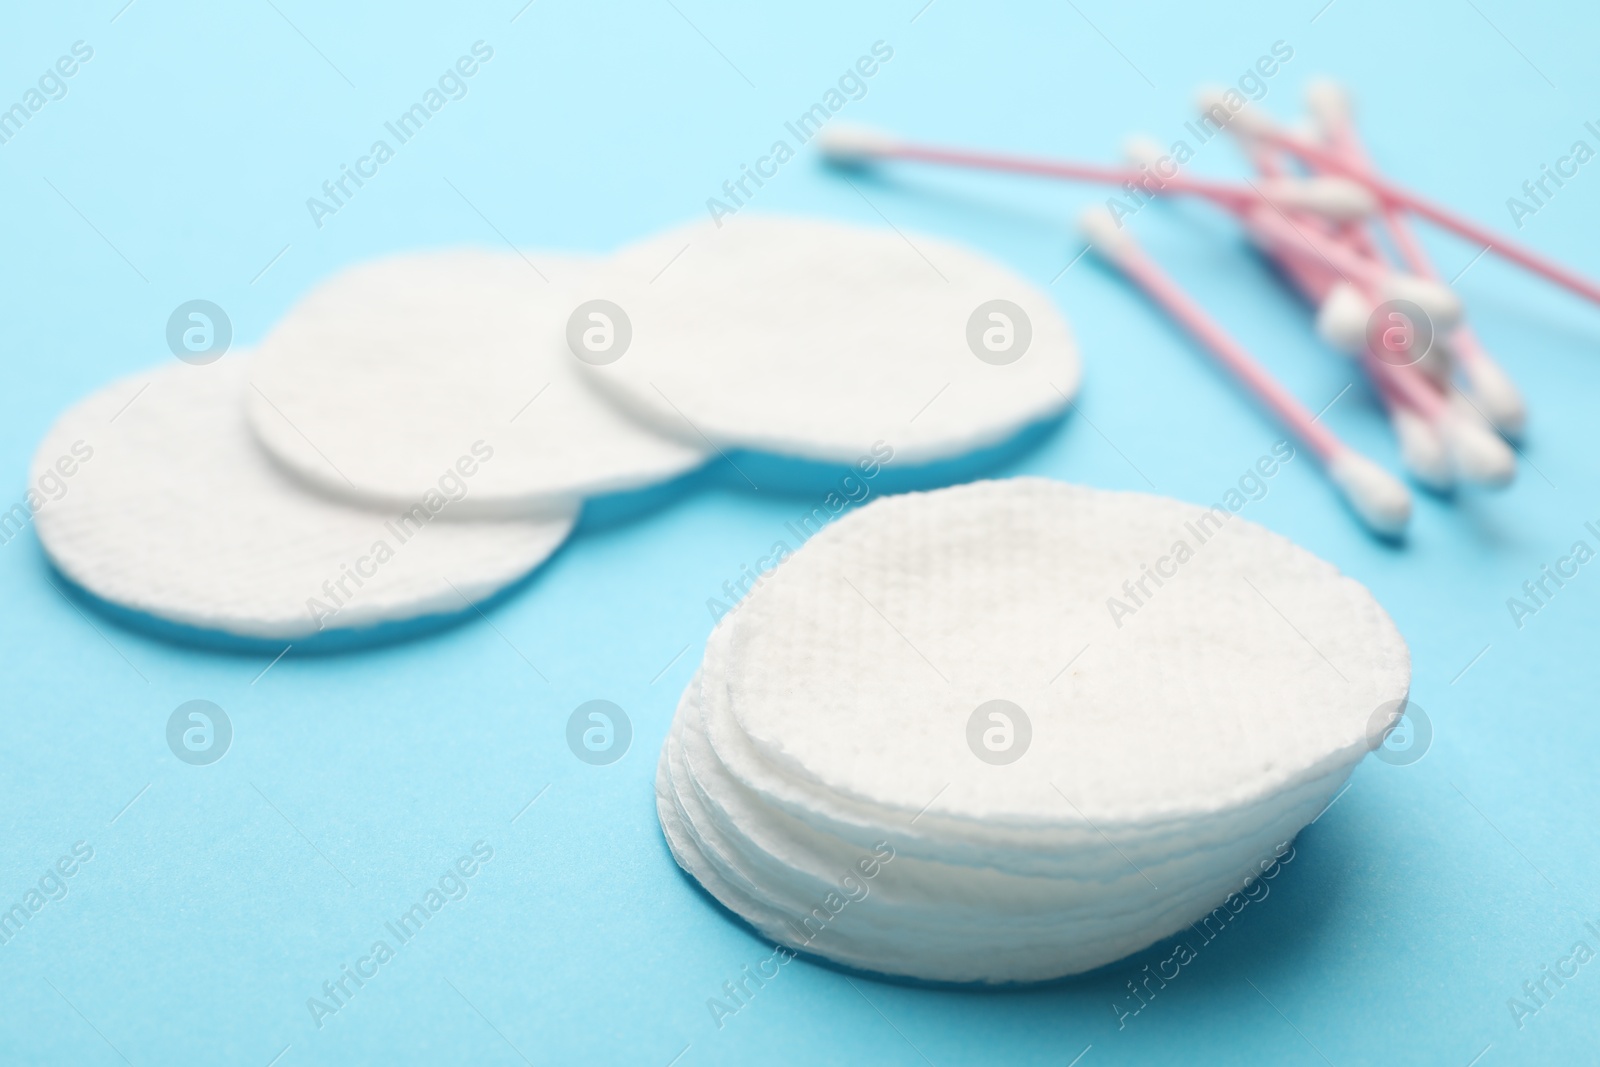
{"points": [[177, 513], [1066, 846], [1253, 666], [376, 381], [1172, 735], [817, 340]]}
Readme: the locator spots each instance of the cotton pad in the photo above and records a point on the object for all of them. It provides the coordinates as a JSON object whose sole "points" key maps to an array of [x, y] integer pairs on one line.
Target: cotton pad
{"points": [[377, 377], [1195, 689], [821, 340], [174, 511]]}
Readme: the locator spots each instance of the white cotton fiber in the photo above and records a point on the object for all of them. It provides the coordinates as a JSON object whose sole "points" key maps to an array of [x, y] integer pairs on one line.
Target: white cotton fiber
{"points": [[1183, 727], [815, 339], [177, 513], [931, 604], [382, 373]]}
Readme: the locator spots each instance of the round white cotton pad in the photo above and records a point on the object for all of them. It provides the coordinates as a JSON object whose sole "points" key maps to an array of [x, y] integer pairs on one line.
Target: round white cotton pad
{"points": [[816, 340], [1251, 662], [175, 512], [384, 374], [1072, 848]]}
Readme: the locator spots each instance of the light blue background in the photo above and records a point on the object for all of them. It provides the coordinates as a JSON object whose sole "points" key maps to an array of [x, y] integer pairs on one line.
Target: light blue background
{"points": [[224, 896]]}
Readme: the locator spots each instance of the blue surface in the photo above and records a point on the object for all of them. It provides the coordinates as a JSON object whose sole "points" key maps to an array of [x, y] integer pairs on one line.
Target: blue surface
{"points": [[220, 898]]}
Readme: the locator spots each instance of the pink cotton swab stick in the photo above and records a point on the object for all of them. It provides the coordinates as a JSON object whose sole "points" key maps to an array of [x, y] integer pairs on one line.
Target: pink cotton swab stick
{"points": [[1503, 404], [1375, 279], [1336, 198], [1265, 130], [1342, 311], [1372, 493], [1274, 229]]}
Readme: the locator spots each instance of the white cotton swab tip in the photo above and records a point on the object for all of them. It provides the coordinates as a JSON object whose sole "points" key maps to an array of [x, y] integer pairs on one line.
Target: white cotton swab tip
{"points": [[1476, 452], [1212, 100], [1497, 396], [1209, 98], [1437, 362], [1377, 496], [1142, 150], [1342, 319], [1423, 450], [1329, 103], [1338, 199], [1436, 300], [845, 143], [1108, 238], [1303, 129]]}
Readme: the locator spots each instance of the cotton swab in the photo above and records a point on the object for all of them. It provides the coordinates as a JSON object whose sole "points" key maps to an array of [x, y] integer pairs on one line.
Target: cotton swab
{"points": [[1342, 316], [1501, 400], [847, 145], [1335, 200], [1477, 454], [1372, 493], [1339, 198], [1263, 129], [1502, 403], [1422, 447]]}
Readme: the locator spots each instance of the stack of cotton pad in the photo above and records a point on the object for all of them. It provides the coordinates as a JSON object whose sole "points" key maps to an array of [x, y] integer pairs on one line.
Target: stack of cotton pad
{"points": [[836, 773]]}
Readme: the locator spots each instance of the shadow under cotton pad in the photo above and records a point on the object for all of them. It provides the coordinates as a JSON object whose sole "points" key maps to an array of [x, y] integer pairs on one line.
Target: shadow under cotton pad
{"points": [[820, 340], [390, 365], [174, 511]]}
